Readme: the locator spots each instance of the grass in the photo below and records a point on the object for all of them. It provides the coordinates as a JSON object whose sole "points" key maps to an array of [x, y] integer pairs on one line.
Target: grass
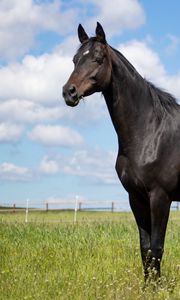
{"points": [[96, 258], [66, 216]]}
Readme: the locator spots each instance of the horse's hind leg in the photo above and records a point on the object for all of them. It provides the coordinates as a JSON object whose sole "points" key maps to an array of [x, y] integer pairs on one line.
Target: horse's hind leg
{"points": [[141, 211], [160, 206]]}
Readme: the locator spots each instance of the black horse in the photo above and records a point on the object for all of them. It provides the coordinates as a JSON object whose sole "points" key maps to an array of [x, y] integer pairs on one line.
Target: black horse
{"points": [[147, 123]]}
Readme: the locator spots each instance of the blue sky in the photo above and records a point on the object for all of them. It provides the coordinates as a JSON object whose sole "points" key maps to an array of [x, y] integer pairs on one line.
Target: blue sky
{"points": [[49, 150]]}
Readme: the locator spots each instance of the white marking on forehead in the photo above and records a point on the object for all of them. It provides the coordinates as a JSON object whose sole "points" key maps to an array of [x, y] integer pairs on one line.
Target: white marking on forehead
{"points": [[86, 52]]}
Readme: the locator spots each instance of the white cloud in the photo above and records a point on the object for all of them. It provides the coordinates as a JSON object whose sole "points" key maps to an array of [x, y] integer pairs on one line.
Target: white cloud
{"points": [[55, 135], [97, 165], [21, 21], [37, 79], [25, 111], [49, 166], [68, 47], [149, 65], [10, 133], [12, 172], [118, 15], [174, 42]]}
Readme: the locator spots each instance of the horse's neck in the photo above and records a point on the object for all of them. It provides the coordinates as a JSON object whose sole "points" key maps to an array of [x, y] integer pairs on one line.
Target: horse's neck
{"points": [[128, 105]]}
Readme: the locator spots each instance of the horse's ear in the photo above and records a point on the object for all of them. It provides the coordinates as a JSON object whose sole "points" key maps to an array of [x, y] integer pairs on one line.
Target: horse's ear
{"points": [[83, 37], [100, 33]]}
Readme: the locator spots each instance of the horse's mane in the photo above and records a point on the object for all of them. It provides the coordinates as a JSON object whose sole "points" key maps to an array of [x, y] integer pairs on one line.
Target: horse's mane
{"points": [[162, 100]]}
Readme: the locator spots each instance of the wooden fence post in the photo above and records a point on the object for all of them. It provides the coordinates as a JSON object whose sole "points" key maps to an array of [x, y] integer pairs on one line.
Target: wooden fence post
{"points": [[47, 206], [14, 208], [177, 206], [80, 206], [112, 207]]}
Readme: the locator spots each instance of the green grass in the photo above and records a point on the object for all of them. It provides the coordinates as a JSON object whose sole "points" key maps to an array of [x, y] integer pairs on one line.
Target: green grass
{"points": [[62, 216], [96, 258]]}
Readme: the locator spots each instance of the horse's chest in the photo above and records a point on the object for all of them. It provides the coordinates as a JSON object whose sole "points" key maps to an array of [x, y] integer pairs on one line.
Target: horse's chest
{"points": [[127, 174]]}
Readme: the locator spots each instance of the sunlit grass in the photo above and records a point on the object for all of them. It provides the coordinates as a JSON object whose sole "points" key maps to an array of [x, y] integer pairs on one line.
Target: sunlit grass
{"points": [[96, 258], [62, 216]]}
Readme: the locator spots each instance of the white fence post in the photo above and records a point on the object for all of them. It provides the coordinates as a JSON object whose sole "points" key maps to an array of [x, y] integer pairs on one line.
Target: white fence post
{"points": [[75, 209], [27, 207]]}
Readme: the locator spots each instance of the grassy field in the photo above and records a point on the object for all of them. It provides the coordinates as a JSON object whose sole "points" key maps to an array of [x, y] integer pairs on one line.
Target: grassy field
{"points": [[52, 258]]}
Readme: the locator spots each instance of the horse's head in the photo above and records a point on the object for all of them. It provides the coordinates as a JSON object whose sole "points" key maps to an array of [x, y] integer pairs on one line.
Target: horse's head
{"points": [[92, 67]]}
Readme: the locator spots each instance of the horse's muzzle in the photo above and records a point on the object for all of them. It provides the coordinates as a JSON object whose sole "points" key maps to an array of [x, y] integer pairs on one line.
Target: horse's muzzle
{"points": [[70, 95]]}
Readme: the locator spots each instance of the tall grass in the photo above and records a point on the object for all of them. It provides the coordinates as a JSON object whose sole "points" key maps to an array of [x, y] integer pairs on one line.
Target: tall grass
{"points": [[85, 261]]}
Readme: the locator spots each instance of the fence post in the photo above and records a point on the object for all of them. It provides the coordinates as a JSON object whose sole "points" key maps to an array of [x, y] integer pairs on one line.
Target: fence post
{"points": [[80, 206], [47, 206], [27, 208], [112, 207], [14, 208], [177, 206], [75, 209]]}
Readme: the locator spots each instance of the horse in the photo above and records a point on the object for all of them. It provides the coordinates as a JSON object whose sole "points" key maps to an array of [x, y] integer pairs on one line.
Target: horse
{"points": [[147, 122]]}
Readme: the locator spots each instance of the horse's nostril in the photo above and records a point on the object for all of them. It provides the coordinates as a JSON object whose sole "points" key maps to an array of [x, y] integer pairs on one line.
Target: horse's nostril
{"points": [[72, 89]]}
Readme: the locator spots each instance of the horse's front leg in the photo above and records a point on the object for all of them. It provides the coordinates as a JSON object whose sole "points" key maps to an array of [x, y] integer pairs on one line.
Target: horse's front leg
{"points": [[160, 206], [141, 211]]}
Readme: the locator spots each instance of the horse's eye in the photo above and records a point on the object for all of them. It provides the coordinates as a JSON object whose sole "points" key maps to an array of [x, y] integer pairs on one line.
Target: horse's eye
{"points": [[99, 60]]}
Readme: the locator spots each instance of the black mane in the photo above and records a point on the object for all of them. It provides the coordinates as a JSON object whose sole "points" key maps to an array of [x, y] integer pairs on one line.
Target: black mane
{"points": [[163, 101]]}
